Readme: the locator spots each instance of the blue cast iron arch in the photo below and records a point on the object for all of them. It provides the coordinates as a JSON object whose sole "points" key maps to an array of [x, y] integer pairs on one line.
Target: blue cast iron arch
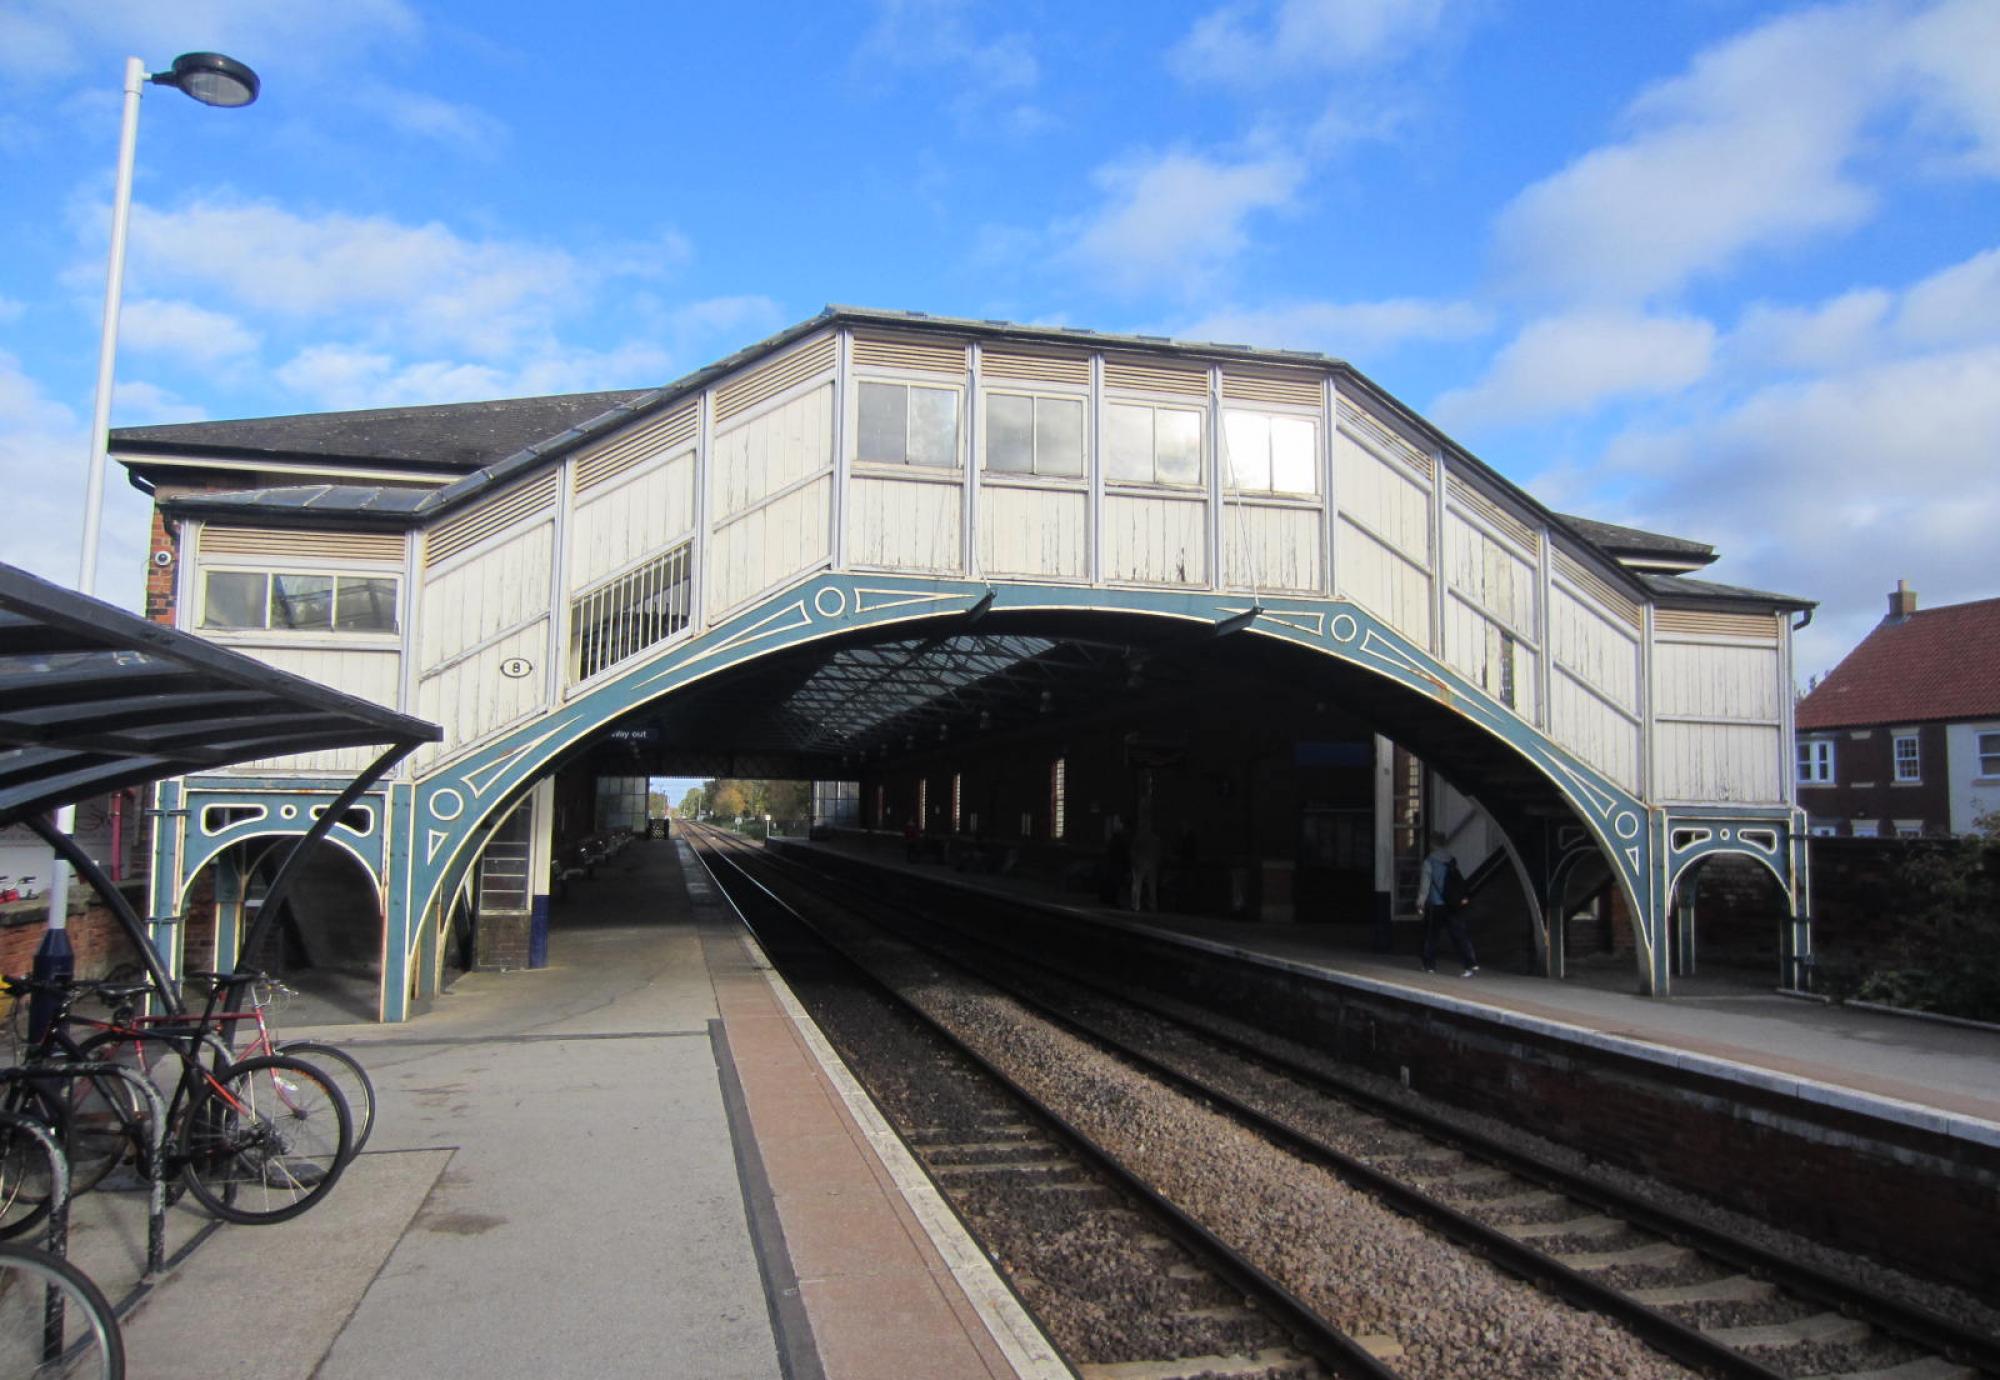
{"points": [[451, 803]]}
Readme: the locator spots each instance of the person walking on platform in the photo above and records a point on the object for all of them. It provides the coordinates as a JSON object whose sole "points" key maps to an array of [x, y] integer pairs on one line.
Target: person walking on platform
{"points": [[1145, 867], [1445, 899]]}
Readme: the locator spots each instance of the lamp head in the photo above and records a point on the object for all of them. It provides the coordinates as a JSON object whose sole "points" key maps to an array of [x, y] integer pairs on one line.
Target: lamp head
{"points": [[211, 79]]}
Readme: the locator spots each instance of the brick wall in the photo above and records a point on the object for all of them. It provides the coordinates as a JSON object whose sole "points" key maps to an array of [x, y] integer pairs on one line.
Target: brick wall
{"points": [[99, 941]]}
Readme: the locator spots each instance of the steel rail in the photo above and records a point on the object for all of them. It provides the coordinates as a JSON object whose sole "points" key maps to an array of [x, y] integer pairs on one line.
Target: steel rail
{"points": [[1905, 1321], [1312, 1332]]}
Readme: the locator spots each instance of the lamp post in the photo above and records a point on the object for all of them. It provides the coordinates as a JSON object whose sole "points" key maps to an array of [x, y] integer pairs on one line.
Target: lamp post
{"points": [[211, 79]]}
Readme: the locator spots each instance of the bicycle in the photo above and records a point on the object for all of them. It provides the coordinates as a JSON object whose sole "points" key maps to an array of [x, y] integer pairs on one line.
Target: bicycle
{"points": [[255, 1140], [54, 1321], [262, 992]]}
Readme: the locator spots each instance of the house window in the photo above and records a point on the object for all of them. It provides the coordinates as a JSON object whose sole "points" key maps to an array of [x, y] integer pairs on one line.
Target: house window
{"points": [[904, 424], [1823, 831], [1057, 771], [1272, 454], [1909, 766], [1815, 761], [1989, 754], [1909, 828], [1866, 829], [1152, 445], [255, 600], [1034, 435]]}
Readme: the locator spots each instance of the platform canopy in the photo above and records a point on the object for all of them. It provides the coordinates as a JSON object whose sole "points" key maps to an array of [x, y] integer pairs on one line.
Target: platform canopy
{"points": [[93, 698]]}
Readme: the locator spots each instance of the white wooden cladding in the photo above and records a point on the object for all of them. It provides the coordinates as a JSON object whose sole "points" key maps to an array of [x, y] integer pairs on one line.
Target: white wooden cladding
{"points": [[1285, 389], [288, 544], [1132, 376], [1382, 549], [769, 546], [771, 452], [472, 699], [1036, 532], [890, 352], [489, 518], [495, 591], [375, 676], [1155, 539], [1033, 367], [786, 371], [625, 522], [1271, 547], [635, 446], [1594, 731], [1718, 762], [904, 524], [1718, 719]]}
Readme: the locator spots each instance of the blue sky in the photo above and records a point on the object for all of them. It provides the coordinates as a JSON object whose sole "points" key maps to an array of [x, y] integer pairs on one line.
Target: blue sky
{"points": [[1730, 270]]}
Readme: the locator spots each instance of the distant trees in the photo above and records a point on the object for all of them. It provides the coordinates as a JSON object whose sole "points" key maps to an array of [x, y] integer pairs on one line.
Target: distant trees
{"points": [[728, 800]]}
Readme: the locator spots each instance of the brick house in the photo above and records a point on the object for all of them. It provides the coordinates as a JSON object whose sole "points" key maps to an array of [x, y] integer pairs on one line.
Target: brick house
{"points": [[1902, 739]]}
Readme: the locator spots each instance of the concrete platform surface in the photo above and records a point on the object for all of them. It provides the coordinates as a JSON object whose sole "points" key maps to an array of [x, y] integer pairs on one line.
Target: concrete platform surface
{"points": [[630, 1163]]}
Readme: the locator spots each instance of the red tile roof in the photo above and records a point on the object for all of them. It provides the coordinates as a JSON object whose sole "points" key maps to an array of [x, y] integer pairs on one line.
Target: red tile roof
{"points": [[1941, 663]]}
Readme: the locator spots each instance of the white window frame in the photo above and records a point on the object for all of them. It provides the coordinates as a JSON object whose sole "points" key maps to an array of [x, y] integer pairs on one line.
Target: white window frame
{"points": [[1865, 828], [1908, 828], [906, 465], [1267, 416], [1986, 748], [1200, 414], [1916, 761], [1034, 470], [268, 572], [1816, 762]]}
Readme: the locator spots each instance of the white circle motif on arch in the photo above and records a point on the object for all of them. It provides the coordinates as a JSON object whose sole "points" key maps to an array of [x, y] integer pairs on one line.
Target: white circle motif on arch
{"points": [[1344, 627], [288, 812], [1725, 836], [1626, 825], [830, 602], [447, 805]]}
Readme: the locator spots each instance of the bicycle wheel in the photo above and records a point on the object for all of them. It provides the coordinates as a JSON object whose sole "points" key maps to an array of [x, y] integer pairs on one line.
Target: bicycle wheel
{"points": [[266, 1140], [24, 1157], [54, 1321], [106, 1116], [347, 1074]]}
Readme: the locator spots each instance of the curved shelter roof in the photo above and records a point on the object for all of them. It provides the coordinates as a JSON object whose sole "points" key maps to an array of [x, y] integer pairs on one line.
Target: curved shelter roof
{"points": [[93, 698]]}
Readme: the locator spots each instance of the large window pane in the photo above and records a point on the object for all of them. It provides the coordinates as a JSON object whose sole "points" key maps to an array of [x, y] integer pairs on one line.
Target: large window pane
{"points": [[884, 418], [365, 604], [235, 599], [1128, 443], [933, 427], [302, 601], [1179, 450], [1010, 434], [1059, 436], [1247, 438], [1294, 455]]}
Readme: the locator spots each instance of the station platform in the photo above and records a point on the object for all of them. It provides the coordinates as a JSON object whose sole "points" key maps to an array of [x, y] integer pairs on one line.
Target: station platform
{"points": [[1928, 1074], [642, 1160]]}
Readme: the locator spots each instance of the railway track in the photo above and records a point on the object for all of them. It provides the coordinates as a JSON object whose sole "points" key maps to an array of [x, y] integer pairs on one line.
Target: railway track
{"points": [[1716, 1303], [1127, 1288]]}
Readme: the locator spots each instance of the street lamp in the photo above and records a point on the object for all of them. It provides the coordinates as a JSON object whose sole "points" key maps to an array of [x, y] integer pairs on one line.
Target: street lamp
{"points": [[211, 79]]}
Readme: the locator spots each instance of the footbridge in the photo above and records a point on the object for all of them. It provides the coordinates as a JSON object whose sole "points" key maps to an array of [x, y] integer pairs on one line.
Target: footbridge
{"points": [[889, 550]]}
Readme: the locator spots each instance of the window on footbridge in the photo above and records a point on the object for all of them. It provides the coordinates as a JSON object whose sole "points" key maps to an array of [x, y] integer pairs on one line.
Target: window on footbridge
{"points": [[629, 613], [1057, 797]]}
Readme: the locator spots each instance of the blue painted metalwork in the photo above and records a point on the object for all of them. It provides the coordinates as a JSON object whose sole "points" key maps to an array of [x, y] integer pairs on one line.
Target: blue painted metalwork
{"points": [[425, 834]]}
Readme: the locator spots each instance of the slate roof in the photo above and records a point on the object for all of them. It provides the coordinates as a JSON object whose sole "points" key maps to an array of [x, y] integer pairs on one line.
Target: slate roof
{"points": [[1672, 587], [1635, 541], [449, 436], [1937, 664]]}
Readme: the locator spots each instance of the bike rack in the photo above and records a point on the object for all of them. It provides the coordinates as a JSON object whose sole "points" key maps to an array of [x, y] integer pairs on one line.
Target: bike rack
{"points": [[156, 1134]]}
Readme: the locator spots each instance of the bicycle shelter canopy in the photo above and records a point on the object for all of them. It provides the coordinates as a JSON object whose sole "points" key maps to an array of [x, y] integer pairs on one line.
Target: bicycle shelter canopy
{"points": [[93, 698]]}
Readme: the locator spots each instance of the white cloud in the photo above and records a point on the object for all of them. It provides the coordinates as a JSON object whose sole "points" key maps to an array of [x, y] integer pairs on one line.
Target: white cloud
{"points": [[135, 402], [938, 33], [1834, 488], [1841, 332], [1574, 363], [1248, 45], [1954, 306], [464, 128], [1759, 145], [1174, 220], [45, 39], [1345, 329], [340, 377], [190, 333], [421, 283], [44, 454]]}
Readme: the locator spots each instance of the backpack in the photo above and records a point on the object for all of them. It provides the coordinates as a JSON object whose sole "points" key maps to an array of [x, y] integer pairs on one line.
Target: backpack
{"points": [[1456, 891]]}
